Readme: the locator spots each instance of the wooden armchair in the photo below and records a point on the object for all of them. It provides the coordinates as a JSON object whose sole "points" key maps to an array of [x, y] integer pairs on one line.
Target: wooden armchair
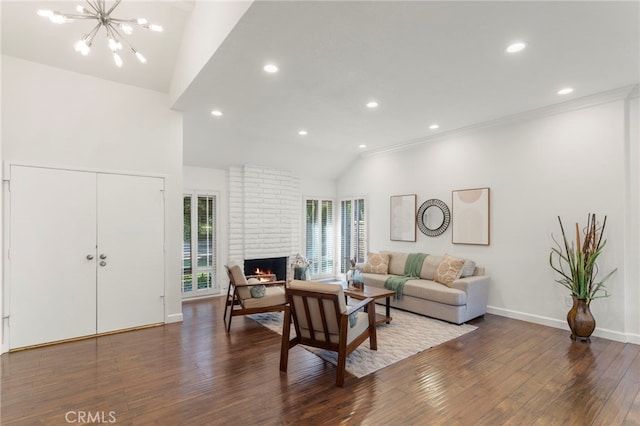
{"points": [[241, 301], [322, 319]]}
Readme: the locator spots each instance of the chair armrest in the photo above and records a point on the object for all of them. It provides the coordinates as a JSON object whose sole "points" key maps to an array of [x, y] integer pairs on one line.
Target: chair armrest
{"points": [[265, 283], [361, 304]]}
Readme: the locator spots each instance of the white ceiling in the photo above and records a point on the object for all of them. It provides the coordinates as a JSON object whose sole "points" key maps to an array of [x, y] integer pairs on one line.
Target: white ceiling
{"points": [[424, 62]]}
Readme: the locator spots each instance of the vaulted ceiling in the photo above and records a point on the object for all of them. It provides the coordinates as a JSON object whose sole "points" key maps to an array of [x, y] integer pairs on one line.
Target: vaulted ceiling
{"points": [[424, 63]]}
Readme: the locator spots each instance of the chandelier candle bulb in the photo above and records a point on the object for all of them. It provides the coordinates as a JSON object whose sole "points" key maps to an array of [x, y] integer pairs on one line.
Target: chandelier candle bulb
{"points": [[141, 58], [82, 47], [57, 18], [127, 29], [117, 59]]}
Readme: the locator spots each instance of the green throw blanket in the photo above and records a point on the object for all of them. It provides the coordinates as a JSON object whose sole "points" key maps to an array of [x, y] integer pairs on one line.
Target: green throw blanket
{"points": [[411, 271]]}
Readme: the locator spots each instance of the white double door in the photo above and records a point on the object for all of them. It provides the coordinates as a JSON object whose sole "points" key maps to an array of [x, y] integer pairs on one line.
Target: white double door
{"points": [[86, 253]]}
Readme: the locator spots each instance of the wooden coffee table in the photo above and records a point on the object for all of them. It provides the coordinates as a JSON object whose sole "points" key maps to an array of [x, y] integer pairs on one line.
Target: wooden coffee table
{"points": [[376, 294]]}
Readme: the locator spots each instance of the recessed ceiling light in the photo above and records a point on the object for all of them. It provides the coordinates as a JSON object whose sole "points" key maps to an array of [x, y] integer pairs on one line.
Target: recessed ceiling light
{"points": [[516, 47], [372, 104], [303, 133], [362, 146], [216, 113], [270, 68], [434, 126], [565, 91]]}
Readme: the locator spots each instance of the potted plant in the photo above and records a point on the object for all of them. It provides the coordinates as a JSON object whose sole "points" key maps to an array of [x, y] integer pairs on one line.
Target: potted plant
{"points": [[578, 270]]}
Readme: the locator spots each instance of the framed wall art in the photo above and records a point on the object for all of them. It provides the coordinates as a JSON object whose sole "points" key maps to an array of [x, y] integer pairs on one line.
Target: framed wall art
{"points": [[403, 217], [470, 216]]}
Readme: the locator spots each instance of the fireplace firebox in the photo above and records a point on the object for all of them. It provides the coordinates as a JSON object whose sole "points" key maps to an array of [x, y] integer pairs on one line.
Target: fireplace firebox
{"points": [[271, 265]]}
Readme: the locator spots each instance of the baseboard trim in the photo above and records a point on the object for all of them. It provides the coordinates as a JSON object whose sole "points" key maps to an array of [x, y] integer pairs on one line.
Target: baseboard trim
{"points": [[562, 324], [171, 318], [87, 337]]}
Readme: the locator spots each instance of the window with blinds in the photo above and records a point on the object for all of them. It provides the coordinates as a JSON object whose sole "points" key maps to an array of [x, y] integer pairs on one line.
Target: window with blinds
{"points": [[320, 236], [353, 233], [199, 248]]}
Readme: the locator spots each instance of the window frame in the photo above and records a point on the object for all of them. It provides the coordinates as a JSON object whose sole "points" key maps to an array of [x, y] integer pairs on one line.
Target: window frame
{"points": [[343, 259], [213, 269], [330, 236]]}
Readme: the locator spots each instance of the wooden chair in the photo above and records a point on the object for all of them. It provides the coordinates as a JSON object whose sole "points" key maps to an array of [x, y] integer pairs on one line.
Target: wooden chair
{"points": [[321, 319], [240, 301]]}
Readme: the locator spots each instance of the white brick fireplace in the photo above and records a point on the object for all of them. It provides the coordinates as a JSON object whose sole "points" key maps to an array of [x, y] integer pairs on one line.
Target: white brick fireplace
{"points": [[265, 213]]}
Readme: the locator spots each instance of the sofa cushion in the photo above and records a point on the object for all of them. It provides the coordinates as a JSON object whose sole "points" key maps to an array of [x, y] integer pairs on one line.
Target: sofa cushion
{"points": [[431, 290], [397, 260], [449, 270], [377, 263], [375, 280], [273, 295], [429, 267]]}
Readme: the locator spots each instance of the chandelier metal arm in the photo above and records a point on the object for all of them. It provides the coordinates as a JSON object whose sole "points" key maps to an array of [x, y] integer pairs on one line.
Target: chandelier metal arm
{"points": [[120, 37], [112, 7], [93, 6], [127, 21], [75, 16], [89, 36]]}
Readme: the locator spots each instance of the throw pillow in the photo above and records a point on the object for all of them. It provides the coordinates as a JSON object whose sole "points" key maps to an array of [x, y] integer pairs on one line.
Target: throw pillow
{"points": [[353, 319], [377, 263], [258, 291], [449, 270], [468, 268]]}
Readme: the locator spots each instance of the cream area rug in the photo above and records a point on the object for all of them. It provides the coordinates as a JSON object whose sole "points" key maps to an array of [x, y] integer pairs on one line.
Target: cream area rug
{"points": [[406, 335]]}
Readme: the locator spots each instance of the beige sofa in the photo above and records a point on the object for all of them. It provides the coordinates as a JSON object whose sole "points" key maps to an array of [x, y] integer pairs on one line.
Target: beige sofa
{"points": [[459, 296]]}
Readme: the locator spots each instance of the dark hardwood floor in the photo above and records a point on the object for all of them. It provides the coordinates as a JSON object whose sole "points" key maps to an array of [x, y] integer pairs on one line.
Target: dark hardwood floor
{"points": [[194, 373]]}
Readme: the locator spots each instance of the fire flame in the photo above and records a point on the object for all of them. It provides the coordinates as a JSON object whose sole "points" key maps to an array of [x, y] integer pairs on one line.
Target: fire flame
{"points": [[268, 274]]}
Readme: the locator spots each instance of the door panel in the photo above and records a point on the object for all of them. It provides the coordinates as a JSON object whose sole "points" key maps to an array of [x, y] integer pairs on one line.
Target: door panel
{"points": [[131, 237], [52, 230]]}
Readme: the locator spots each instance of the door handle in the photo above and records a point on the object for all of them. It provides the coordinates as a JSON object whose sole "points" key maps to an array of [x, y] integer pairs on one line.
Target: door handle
{"points": [[89, 257], [103, 263], [103, 256]]}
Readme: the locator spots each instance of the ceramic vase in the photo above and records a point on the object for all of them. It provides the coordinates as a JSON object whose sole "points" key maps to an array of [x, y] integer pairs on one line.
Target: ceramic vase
{"points": [[580, 320]]}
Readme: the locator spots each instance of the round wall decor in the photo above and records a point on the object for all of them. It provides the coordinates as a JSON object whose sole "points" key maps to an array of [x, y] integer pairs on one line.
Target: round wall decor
{"points": [[433, 217]]}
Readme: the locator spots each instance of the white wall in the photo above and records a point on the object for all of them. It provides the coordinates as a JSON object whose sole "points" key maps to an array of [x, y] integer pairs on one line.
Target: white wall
{"points": [[567, 164], [316, 188], [632, 248], [58, 118], [216, 181]]}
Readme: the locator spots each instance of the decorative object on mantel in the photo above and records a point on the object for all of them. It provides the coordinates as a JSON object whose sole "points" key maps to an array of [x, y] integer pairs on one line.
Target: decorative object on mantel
{"points": [[300, 267], [403, 220], [576, 264], [99, 12], [470, 216], [433, 217]]}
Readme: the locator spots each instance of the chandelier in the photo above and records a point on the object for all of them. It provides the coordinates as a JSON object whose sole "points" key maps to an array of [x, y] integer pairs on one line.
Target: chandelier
{"points": [[114, 27]]}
